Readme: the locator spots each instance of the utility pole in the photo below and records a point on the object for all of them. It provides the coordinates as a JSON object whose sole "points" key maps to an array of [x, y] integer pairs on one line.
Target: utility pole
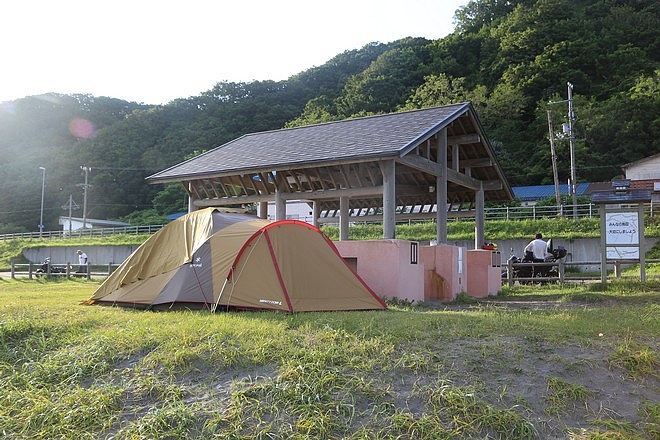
{"points": [[85, 186], [571, 140], [554, 163], [71, 205]]}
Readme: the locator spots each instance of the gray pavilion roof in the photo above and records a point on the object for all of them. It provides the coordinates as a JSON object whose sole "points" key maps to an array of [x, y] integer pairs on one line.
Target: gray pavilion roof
{"points": [[324, 161], [389, 135]]}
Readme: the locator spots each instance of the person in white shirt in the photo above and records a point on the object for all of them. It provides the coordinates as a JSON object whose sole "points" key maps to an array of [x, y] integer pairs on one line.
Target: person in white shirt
{"points": [[82, 261], [538, 248]]}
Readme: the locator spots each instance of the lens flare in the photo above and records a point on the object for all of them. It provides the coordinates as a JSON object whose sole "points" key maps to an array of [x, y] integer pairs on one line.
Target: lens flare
{"points": [[82, 128], [8, 107]]}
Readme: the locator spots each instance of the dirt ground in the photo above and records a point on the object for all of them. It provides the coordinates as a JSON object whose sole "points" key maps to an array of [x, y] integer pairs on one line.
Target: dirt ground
{"points": [[512, 373], [518, 377]]}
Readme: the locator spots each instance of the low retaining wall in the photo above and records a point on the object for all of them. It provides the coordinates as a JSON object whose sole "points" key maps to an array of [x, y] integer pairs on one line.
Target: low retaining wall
{"points": [[582, 249], [97, 255]]}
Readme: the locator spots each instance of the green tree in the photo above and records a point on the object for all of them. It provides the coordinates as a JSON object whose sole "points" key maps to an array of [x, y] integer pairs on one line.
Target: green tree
{"points": [[172, 199], [441, 89]]}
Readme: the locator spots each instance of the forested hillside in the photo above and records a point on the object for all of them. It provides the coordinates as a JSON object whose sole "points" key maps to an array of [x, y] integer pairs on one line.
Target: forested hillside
{"points": [[510, 58]]}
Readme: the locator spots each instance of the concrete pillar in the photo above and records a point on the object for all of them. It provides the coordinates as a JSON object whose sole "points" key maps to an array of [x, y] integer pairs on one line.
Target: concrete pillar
{"points": [[455, 153], [316, 212], [642, 257], [389, 198], [263, 210], [479, 236], [441, 188], [191, 201], [280, 206], [603, 245], [343, 218]]}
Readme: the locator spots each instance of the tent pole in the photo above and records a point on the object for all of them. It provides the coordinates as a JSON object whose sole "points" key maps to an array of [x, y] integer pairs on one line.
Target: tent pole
{"points": [[215, 306], [201, 289]]}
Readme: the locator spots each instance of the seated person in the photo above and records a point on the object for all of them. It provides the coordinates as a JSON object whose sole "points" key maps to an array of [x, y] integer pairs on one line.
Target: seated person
{"points": [[537, 249]]}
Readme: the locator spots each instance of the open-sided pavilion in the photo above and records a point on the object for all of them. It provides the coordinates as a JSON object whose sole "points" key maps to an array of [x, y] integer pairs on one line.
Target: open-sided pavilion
{"points": [[430, 163]]}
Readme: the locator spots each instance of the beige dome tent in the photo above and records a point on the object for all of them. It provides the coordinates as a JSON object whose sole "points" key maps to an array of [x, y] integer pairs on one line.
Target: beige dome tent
{"points": [[212, 259]]}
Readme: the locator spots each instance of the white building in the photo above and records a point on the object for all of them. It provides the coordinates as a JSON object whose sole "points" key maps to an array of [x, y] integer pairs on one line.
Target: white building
{"points": [[295, 210], [645, 173], [74, 223]]}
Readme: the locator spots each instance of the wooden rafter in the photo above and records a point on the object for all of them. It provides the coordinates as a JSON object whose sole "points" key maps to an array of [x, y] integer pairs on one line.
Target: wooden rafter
{"points": [[321, 181], [310, 182], [214, 188], [263, 178], [345, 174], [253, 184]]}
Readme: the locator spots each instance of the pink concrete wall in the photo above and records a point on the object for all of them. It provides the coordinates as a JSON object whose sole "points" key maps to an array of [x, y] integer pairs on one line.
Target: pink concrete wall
{"points": [[385, 265], [484, 273], [445, 274]]}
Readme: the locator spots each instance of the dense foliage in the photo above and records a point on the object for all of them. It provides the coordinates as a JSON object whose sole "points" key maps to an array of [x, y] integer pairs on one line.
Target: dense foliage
{"points": [[510, 58]]}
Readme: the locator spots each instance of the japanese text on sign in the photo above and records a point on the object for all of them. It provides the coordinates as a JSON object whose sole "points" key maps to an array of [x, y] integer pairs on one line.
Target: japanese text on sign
{"points": [[622, 228]]}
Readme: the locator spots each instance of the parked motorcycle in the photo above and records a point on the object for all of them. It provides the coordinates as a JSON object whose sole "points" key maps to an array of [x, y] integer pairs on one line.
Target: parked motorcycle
{"points": [[548, 268], [47, 268]]}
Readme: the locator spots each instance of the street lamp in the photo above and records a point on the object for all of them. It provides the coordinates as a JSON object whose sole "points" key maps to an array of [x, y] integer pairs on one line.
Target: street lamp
{"points": [[43, 186]]}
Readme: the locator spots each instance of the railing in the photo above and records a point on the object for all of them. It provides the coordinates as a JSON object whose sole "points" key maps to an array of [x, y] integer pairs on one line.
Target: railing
{"points": [[32, 270], [588, 210], [535, 212], [98, 232], [562, 275], [506, 213]]}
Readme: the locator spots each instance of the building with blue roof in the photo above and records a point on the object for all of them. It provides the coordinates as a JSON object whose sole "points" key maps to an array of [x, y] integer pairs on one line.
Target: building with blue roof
{"points": [[530, 195]]}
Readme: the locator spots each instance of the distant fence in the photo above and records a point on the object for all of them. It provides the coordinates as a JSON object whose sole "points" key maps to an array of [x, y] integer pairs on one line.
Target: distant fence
{"points": [[535, 212], [98, 232], [588, 210], [68, 270], [505, 213], [32, 270], [563, 276]]}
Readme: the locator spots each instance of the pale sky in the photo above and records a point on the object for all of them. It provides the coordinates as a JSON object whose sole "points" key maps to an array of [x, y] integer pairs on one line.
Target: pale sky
{"points": [[154, 51]]}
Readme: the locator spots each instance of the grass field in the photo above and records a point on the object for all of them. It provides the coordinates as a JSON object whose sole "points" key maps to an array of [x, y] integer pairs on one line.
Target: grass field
{"points": [[577, 362]]}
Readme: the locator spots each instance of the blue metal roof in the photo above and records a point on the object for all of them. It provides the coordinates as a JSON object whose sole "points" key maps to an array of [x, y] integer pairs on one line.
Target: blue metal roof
{"points": [[540, 192], [176, 215]]}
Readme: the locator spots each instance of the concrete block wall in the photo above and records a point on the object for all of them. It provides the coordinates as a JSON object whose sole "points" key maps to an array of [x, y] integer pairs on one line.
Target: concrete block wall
{"points": [[97, 255], [387, 266], [445, 272], [484, 273]]}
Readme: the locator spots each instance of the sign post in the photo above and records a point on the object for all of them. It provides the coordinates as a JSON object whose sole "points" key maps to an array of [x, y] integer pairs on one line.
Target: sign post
{"points": [[622, 225]]}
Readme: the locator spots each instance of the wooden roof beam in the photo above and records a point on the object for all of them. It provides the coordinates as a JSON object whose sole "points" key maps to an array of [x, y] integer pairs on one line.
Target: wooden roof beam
{"points": [[473, 163], [334, 194], [462, 139], [432, 168]]}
